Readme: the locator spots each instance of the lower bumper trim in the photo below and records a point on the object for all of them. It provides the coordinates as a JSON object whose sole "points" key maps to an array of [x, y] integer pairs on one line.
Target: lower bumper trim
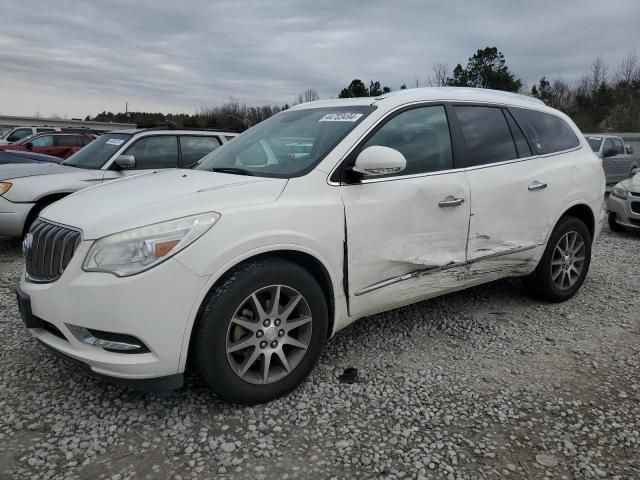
{"points": [[168, 382]]}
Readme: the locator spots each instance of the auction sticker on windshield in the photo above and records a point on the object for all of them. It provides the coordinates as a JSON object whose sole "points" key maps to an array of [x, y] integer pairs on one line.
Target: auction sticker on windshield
{"points": [[341, 117], [114, 141]]}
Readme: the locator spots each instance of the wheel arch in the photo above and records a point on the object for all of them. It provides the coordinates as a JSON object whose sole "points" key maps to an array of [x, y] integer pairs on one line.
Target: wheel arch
{"points": [[40, 204], [583, 212], [316, 267]]}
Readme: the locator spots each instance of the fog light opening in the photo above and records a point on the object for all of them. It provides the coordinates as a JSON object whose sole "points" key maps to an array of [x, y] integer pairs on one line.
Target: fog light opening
{"points": [[109, 341]]}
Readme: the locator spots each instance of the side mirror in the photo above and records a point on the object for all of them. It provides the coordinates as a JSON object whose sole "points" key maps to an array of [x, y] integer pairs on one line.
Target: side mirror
{"points": [[126, 162], [379, 160], [609, 152], [628, 149], [29, 146]]}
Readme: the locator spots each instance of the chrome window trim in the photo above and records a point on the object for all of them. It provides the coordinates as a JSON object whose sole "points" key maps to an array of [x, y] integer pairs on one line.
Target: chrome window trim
{"points": [[439, 172]]}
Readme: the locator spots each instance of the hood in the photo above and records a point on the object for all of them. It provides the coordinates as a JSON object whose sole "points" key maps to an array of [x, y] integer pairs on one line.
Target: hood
{"points": [[18, 170], [158, 196], [632, 184]]}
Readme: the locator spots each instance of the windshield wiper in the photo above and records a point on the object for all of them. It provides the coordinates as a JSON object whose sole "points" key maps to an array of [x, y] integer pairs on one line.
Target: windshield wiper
{"points": [[232, 170]]}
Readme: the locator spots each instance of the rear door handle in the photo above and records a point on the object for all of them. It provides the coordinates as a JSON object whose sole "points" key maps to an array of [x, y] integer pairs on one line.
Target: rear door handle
{"points": [[451, 201], [536, 185]]}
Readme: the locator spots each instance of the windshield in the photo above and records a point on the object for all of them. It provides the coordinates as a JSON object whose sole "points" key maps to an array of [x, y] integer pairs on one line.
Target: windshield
{"points": [[96, 153], [288, 144], [594, 143]]}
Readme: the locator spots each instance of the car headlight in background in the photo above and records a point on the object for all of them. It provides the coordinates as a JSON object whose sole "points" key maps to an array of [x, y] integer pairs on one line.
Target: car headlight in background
{"points": [[4, 187], [134, 251], [620, 192]]}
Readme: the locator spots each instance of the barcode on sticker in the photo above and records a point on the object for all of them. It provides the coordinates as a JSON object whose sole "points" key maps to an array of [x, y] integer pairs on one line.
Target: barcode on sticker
{"points": [[341, 117]]}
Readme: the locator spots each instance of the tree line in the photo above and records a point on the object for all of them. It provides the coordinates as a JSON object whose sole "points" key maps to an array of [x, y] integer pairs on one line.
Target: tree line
{"points": [[602, 100]]}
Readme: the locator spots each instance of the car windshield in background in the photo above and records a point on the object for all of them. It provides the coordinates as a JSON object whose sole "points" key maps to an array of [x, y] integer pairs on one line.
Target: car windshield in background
{"points": [[594, 143], [96, 153], [286, 145]]}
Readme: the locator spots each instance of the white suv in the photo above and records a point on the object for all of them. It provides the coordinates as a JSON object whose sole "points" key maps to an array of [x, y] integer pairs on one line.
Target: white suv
{"points": [[325, 213], [24, 192]]}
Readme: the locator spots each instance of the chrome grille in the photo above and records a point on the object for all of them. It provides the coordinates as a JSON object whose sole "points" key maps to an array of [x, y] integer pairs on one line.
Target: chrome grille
{"points": [[48, 249]]}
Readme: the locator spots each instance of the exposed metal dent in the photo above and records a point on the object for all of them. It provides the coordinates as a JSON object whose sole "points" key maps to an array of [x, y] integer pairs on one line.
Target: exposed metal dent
{"points": [[428, 271]]}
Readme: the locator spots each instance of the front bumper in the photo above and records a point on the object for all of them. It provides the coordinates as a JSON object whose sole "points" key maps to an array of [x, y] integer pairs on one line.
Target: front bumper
{"points": [[153, 306], [626, 216], [13, 217]]}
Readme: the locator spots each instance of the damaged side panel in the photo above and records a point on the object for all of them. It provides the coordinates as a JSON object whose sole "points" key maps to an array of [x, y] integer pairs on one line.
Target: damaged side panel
{"points": [[397, 228]]}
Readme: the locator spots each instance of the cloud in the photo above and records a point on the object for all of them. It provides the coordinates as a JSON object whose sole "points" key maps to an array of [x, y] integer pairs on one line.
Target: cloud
{"points": [[79, 58]]}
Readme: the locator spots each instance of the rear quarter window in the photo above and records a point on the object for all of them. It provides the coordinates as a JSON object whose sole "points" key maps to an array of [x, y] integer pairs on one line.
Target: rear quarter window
{"points": [[547, 133]]}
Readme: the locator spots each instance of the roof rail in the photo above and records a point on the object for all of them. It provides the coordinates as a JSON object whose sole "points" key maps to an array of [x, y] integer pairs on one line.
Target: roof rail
{"points": [[475, 91], [191, 129]]}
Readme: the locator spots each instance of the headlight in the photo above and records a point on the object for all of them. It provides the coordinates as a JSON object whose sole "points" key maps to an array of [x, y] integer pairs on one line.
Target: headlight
{"points": [[4, 187], [137, 250], [620, 192]]}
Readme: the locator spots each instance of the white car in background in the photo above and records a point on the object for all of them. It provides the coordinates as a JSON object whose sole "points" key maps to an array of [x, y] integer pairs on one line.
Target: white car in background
{"points": [[323, 214], [24, 192], [12, 135]]}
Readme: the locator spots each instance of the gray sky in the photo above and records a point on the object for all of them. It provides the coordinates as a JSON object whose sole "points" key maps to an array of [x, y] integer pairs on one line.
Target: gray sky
{"points": [[77, 58]]}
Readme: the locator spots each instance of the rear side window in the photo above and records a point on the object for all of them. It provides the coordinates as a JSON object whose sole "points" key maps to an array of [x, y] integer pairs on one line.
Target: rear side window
{"points": [[66, 141], [155, 152], [194, 148], [549, 133], [521, 142], [421, 135], [486, 134]]}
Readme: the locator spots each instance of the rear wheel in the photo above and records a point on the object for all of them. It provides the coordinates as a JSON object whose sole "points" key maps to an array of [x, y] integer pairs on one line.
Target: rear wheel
{"points": [[261, 331], [613, 224], [565, 262]]}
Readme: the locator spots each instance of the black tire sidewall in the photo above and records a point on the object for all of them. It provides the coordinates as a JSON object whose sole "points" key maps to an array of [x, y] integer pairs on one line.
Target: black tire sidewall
{"points": [[544, 275], [210, 341]]}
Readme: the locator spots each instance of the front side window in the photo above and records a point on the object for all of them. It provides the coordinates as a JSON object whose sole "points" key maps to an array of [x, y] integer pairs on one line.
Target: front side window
{"points": [[618, 146], [98, 152], [553, 134], [486, 134], [421, 135], [19, 134], [608, 146], [159, 151], [594, 143], [289, 144], [43, 141], [193, 148]]}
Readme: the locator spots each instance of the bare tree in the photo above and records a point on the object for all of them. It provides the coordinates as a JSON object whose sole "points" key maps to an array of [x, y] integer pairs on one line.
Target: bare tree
{"points": [[439, 77], [597, 73], [629, 69], [309, 95]]}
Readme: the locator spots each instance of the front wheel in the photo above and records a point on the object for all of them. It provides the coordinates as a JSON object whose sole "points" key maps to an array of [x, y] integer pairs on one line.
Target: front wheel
{"points": [[261, 331], [565, 262], [613, 223]]}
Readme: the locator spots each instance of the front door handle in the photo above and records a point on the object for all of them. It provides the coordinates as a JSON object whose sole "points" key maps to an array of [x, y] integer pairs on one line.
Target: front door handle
{"points": [[537, 186], [451, 201]]}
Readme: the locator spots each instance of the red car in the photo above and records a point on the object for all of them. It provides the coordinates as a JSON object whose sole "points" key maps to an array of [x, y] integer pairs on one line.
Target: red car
{"points": [[57, 144]]}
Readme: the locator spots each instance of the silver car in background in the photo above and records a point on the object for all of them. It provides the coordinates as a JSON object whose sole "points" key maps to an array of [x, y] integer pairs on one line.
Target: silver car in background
{"points": [[618, 159], [623, 205]]}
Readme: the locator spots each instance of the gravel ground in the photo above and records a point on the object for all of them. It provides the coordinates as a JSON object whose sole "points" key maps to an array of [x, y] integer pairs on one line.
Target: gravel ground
{"points": [[480, 384]]}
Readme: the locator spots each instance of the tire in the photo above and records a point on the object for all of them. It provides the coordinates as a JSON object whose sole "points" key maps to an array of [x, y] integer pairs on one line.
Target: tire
{"points": [[543, 282], [613, 224], [33, 215], [632, 171], [231, 332]]}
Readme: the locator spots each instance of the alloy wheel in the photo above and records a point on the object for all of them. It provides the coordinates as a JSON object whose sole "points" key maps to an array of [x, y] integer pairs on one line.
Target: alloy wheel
{"points": [[269, 334], [567, 261]]}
